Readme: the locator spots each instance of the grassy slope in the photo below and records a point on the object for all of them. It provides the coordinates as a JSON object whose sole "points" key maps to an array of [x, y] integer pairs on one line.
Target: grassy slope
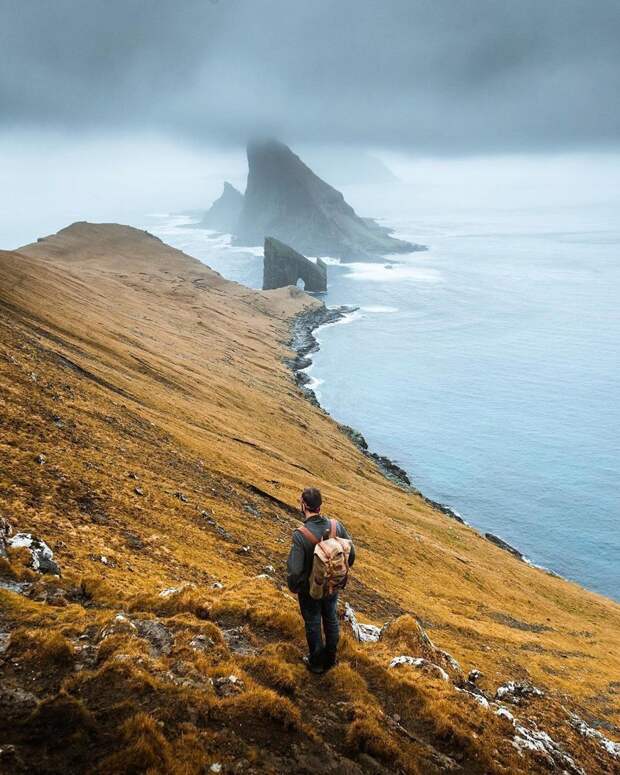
{"points": [[119, 354]]}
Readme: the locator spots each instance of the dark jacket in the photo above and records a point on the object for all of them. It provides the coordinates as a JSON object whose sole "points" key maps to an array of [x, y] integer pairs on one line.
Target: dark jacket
{"points": [[300, 557]]}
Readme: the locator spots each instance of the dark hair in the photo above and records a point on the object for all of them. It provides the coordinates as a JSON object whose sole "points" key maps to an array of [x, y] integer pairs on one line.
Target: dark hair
{"points": [[312, 498]]}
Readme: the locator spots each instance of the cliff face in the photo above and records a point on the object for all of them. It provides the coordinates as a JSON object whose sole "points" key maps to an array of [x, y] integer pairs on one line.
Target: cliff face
{"points": [[224, 213], [283, 266], [154, 441], [285, 199]]}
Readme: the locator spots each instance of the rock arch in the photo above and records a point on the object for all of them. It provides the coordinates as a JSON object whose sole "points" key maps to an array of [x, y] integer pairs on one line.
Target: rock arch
{"points": [[284, 266]]}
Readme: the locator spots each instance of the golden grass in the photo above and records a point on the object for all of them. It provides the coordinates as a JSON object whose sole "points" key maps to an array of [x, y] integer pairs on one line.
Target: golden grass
{"points": [[158, 368]]}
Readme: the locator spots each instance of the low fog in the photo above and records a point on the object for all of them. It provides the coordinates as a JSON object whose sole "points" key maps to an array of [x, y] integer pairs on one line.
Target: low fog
{"points": [[112, 110]]}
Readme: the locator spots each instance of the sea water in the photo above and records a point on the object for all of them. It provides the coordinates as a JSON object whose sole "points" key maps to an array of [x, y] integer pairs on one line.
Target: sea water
{"points": [[487, 367]]}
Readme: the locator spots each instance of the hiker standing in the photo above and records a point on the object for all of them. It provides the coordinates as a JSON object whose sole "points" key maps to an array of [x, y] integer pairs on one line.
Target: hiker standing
{"points": [[318, 563]]}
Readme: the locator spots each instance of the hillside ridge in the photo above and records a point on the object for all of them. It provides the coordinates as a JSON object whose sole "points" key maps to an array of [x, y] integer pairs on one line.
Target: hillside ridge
{"points": [[155, 440]]}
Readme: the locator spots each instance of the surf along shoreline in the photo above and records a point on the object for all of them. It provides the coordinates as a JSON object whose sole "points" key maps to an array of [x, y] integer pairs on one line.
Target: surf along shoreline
{"points": [[303, 343]]}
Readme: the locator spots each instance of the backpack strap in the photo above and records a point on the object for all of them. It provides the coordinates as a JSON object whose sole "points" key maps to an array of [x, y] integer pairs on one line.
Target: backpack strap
{"points": [[333, 528], [306, 533]]}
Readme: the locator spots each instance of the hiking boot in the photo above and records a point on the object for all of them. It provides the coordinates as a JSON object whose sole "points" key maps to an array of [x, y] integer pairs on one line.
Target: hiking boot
{"points": [[316, 669]]}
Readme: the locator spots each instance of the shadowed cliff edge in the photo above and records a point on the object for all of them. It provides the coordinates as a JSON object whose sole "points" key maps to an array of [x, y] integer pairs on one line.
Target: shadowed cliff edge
{"points": [[153, 447]]}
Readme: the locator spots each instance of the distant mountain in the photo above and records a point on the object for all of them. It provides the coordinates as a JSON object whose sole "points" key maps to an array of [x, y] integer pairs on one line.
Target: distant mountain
{"points": [[224, 212], [285, 199]]}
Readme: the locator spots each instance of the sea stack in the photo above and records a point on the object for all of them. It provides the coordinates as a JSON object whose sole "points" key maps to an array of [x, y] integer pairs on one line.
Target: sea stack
{"points": [[224, 212], [284, 266], [284, 198]]}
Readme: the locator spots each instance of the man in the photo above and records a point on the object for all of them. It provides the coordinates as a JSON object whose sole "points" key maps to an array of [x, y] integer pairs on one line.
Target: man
{"points": [[321, 653]]}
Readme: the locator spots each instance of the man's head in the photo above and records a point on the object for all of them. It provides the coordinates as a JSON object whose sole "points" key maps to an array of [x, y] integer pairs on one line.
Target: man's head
{"points": [[311, 500]]}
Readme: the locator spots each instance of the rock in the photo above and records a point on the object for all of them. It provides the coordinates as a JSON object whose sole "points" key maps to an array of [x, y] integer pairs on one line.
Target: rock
{"points": [[504, 545], [217, 585], [5, 638], [237, 640], [584, 730], [423, 664], [170, 591], [223, 215], [138, 490], [516, 692], [228, 685], [250, 508], [285, 199], [159, 637], [201, 643], [365, 633], [181, 497], [131, 475], [284, 266], [474, 675], [537, 741], [244, 550], [269, 570], [42, 556], [134, 541], [40, 459], [119, 625]]}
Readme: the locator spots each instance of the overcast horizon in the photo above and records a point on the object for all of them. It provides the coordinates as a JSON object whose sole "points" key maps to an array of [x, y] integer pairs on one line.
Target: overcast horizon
{"points": [[113, 108]]}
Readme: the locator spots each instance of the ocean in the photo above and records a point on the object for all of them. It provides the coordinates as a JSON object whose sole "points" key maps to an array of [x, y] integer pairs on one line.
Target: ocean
{"points": [[487, 367]]}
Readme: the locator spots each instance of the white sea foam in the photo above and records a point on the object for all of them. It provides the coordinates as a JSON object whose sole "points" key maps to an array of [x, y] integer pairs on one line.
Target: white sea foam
{"points": [[392, 273], [379, 309]]}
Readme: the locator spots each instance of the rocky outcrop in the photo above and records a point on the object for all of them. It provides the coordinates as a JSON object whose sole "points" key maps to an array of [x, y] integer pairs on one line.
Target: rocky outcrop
{"points": [[286, 199], [284, 266], [224, 212]]}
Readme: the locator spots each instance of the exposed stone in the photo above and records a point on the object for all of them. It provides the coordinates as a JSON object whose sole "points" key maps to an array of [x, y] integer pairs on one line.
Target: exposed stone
{"points": [[40, 459], [474, 675], [159, 637], [244, 550], [138, 491], [584, 730], [119, 625], [228, 685], [237, 640], [504, 545], [539, 742], [364, 633], [423, 664], [201, 643], [42, 556], [284, 266], [285, 199], [183, 498], [516, 692], [170, 591]]}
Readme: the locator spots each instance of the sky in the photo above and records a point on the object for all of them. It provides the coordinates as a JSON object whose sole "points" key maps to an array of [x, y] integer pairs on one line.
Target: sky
{"points": [[111, 106]]}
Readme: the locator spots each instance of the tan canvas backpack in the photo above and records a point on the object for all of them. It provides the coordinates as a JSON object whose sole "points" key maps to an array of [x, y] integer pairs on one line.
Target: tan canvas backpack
{"points": [[330, 564]]}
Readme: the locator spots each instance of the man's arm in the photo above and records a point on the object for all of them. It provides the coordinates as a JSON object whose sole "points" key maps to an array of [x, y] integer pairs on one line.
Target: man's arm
{"points": [[342, 532], [295, 563]]}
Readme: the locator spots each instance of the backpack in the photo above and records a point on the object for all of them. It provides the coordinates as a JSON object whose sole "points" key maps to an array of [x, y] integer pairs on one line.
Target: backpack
{"points": [[330, 564]]}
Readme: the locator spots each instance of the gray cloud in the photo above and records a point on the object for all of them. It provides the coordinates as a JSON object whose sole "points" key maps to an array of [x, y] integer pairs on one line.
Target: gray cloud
{"points": [[446, 76]]}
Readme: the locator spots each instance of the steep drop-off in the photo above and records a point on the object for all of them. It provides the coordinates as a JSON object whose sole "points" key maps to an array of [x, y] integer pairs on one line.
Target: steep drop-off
{"points": [[153, 438]]}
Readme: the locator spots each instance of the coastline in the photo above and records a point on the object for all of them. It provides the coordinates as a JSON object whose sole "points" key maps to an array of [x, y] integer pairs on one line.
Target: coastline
{"points": [[303, 342]]}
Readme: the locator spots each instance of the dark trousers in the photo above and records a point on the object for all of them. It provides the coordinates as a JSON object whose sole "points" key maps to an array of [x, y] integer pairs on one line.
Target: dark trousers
{"points": [[322, 653]]}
